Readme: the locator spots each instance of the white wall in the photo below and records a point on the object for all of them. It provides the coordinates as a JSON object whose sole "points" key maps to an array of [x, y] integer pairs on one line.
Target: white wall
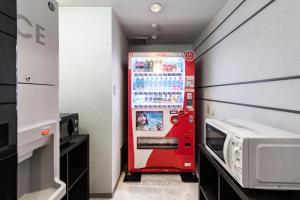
{"points": [[86, 83], [161, 48], [250, 57], [119, 71]]}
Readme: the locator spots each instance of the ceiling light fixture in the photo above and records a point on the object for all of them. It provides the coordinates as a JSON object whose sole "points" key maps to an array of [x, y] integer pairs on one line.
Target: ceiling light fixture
{"points": [[155, 26], [156, 7]]}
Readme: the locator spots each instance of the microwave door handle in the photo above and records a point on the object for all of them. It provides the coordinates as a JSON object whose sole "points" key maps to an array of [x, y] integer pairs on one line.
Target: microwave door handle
{"points": [[226, 151]]}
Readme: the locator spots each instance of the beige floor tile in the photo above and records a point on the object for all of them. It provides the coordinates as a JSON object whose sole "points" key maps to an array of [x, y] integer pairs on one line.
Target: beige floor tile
{"points": [[156, 187]]}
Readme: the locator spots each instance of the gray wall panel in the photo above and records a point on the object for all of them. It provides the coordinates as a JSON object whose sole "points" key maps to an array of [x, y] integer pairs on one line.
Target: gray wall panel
{"points": [[7, 59], [278, 94], [249, 61], [266, 47], [222, 16], [246, 9], [7, 94], [8, 25], [8, 7]]}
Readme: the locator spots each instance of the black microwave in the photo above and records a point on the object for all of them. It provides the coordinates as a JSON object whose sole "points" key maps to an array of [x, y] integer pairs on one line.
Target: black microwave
{"points": [[69, 127]]}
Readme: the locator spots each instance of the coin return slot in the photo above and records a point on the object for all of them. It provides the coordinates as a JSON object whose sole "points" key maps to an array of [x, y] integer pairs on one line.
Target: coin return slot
{"points": [[157, 143], [187, 144]]}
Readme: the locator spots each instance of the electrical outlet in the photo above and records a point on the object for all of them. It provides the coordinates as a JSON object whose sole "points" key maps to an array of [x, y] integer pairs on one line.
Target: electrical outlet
{"points": [[208, 110]]}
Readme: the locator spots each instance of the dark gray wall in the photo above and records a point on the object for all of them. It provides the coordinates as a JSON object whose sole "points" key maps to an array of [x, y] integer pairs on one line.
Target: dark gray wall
{"points": [[8, 116]]}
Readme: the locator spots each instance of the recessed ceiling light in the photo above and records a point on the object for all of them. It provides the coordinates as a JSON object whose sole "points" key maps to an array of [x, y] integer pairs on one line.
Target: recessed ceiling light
{"points": [[155, 26], [156, 7]]}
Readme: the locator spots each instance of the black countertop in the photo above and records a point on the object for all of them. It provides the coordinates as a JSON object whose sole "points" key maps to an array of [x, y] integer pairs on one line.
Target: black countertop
{"points": [[249, 194]]}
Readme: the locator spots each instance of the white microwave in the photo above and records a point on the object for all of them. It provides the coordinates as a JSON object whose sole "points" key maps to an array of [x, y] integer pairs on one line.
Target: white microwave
{"points": [[257, 156]]}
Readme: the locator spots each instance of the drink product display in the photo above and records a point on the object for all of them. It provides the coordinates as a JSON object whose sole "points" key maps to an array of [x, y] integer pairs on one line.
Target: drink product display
{"points": [[157, 83], [157, 65], [158, 99]]}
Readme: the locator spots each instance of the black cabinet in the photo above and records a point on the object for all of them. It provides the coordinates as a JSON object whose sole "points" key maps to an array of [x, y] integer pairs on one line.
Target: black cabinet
{"points": [[8, 178], [8, 130], [8, 112], [74, 168], [215, 183]]}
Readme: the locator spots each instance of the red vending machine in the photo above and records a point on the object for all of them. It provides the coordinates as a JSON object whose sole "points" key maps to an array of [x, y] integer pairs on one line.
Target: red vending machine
{"points": [[161, 112]]}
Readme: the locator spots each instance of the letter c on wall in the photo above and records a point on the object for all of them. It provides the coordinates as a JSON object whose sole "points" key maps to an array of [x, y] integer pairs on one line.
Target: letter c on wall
{"points": [[25, 19]]}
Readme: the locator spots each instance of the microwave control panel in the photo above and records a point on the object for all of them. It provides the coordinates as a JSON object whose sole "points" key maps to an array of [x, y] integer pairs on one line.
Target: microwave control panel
{"points": [[236, 158]]}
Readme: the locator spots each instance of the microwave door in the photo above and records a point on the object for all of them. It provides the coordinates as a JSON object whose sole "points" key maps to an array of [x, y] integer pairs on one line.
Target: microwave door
{"points": [[226, 151], [215, 140]]}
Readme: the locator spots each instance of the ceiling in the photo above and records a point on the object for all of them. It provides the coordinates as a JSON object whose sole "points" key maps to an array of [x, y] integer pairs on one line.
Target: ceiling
{"points": [[180, 21]]}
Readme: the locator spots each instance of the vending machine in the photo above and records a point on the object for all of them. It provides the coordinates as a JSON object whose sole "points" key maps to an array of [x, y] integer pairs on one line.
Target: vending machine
{"points": [[161, 112]]}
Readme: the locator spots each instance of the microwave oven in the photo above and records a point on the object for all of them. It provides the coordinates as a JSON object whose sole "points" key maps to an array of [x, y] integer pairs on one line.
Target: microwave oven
{"points": [[255, 155], [69, 127]]}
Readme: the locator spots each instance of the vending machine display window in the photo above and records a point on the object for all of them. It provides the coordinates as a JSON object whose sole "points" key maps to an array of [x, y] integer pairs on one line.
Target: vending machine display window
{"points": [[158, 82], [149, 120]]}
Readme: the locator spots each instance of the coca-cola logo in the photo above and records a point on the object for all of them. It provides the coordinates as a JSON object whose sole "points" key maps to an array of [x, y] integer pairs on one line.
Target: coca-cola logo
{"points": [[189, 55]]}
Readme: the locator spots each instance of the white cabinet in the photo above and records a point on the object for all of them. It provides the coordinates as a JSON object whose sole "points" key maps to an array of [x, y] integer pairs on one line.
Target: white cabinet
{"points": [[37, 44]]}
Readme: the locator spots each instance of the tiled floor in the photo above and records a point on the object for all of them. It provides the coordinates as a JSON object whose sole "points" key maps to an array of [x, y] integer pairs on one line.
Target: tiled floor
{"points": [[156, 187]]}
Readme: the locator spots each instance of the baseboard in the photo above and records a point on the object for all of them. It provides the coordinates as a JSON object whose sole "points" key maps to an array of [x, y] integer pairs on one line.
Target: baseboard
{"points": [[106, 195], [124, 156], [116, 185], [101, 195]]}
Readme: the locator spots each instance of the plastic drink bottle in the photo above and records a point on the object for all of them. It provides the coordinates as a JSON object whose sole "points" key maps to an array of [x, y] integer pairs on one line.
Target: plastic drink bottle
{"points": [[151, 83], [138, 84], [146, 83], [156, 83], [142, 84], [161, 83], [180, 83]]}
